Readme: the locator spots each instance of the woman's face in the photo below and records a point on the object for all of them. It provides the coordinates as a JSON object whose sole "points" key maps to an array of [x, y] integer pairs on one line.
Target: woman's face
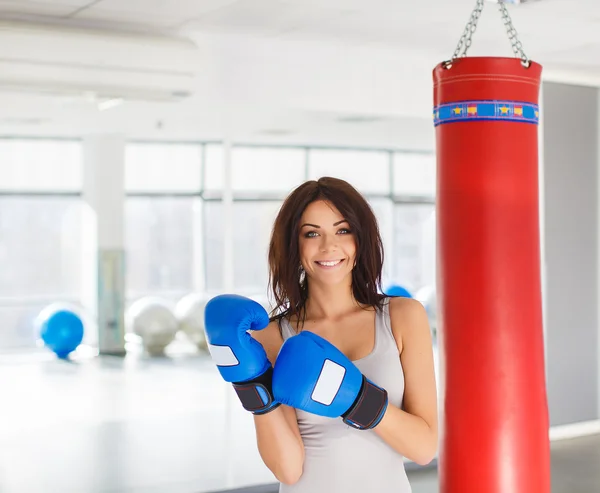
{"points": [[326, 244]]}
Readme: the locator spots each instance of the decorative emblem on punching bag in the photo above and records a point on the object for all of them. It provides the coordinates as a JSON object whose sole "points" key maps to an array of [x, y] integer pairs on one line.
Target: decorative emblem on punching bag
{"points": [[486, 110]]}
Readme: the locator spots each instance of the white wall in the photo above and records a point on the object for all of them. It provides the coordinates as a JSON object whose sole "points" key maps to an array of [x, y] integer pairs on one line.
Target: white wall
{"points": [[571, 222]]}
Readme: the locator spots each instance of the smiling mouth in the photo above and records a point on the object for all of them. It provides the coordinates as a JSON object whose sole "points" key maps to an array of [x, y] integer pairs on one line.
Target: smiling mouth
{"points": [[329, 263]]}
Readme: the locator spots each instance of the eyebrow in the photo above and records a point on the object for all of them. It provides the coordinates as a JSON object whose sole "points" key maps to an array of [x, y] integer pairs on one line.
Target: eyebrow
{"points": [[318, 227]]}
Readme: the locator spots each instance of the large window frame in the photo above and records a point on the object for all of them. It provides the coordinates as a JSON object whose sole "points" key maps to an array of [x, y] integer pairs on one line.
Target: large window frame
{"points": [[204, 195]]}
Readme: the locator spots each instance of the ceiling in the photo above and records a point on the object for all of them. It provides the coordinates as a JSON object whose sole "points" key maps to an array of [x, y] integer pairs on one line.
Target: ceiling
{"points": [[343, 72]]}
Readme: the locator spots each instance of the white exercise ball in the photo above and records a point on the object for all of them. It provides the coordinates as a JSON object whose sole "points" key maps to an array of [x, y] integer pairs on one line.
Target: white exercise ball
{"points": [[189, 312], [154, 322]]}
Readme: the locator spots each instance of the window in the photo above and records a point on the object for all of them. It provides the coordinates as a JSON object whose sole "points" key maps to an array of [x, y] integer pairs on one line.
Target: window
{"points": [[267, 169], [163, 244], [163, 238], [32, 165], [213, 245], [213, 167], [252, 223], [42, 261], [414, 175], [174, 234], [367, 171], [164, 168], [414, 245], [40, 246], [257, 170], [384, 212]]}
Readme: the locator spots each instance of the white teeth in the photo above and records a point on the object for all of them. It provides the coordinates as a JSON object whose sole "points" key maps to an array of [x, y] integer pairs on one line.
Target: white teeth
{"points": [[329, 264]]}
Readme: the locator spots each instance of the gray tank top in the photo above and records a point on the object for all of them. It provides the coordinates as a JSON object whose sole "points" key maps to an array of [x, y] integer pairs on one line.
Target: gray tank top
{"points": [[340, 459]]}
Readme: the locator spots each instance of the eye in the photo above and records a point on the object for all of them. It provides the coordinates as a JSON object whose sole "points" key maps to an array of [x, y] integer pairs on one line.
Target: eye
{"points": [[311, 234], [344, 231]]}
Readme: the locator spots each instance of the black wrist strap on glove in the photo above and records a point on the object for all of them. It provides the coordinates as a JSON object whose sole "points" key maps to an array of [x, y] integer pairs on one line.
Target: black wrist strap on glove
{"points": [[368, 408], [257, 395]]}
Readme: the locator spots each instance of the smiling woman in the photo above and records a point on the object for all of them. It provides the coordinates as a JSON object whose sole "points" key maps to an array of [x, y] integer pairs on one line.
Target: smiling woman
{"points": [[338, 348], [326, 231]]}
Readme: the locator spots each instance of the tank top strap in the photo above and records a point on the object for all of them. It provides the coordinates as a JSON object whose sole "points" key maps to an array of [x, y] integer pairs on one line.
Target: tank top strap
{"points": [[383, 326], [286, 328]]}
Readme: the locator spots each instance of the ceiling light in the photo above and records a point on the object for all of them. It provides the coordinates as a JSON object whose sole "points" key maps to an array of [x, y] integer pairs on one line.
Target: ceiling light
{"points": [[109, 103]]}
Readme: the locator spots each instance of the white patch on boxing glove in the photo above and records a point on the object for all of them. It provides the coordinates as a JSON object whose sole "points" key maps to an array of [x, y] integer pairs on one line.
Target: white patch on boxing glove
{"points": [[329, 382], [223, 355]]}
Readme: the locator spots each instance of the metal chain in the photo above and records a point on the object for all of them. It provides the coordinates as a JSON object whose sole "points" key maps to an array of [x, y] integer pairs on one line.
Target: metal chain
{"points": [[466, 39], [512, 35]]}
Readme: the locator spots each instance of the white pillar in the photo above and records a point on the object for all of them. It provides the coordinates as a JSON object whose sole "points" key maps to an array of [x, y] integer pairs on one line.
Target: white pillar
{"points": [[104, 192]]}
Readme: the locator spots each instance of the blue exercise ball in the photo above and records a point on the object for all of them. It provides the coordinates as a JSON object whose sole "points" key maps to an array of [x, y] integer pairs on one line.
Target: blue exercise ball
{"points": [[399, 291], [62, 331]]}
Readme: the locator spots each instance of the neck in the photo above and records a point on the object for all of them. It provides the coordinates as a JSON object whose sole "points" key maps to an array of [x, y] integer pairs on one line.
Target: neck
{"points": [[329, 302]]}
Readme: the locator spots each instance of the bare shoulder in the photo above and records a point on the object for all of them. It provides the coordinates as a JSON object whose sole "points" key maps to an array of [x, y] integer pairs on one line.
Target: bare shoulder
{"points": [[411, 326], [409, 320], [270, 339]]}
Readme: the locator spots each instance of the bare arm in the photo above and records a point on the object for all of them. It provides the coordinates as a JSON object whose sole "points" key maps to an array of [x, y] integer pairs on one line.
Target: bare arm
{"points": [[277, 434], [413, 431]]}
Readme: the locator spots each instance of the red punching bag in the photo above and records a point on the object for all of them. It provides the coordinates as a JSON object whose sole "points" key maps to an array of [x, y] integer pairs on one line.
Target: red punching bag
{"points": [[494, 433]]}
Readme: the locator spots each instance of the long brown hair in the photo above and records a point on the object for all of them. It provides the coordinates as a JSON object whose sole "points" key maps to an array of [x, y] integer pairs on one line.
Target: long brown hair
{"points": [[286, 280]]}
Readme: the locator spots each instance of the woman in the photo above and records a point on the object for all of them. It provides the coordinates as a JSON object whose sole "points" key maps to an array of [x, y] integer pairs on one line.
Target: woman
{"points": [[325, 260]]}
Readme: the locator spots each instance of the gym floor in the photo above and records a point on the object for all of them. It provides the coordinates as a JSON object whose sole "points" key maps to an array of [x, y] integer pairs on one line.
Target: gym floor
{"points": [[140, 425]]}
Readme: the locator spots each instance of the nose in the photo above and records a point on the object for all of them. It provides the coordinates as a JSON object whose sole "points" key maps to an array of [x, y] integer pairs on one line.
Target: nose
{"points": [[328, 243]]}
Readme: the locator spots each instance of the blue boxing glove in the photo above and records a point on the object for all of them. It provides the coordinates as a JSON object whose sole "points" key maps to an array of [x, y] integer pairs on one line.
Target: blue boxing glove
{"points": [[311, 374], [241, 359]]}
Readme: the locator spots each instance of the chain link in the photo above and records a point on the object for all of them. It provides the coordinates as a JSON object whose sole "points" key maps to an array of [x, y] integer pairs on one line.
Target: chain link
{"points": [[466, 39], [513, 37]]}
